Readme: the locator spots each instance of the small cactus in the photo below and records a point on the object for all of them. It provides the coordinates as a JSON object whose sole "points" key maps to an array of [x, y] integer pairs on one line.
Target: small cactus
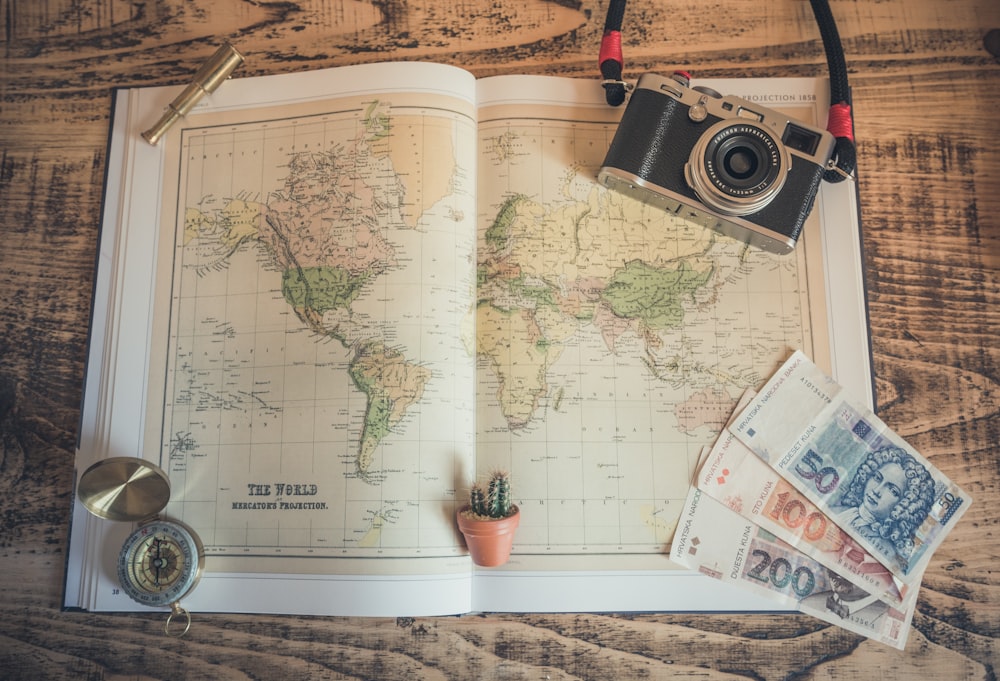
{"points": [[495, 501], [477, 500]]}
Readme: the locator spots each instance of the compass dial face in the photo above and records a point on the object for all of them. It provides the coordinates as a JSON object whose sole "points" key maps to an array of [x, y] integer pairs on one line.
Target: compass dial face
{"points": [[159, 563]]}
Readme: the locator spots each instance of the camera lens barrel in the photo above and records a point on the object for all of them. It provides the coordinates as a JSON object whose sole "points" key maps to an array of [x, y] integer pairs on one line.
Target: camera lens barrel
{"points": [[737, 167]]}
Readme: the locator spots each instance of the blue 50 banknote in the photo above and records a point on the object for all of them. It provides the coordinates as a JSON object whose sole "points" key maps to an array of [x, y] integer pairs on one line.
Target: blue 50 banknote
{"points": [[859, 473]]}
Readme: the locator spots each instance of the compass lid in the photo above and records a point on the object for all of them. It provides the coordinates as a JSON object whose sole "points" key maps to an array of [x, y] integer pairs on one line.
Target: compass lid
{"points": [[124, 488]]}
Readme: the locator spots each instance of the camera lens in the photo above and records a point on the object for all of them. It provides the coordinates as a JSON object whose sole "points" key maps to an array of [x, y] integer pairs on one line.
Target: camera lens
{"points": [[737, 167], [740, 163]]}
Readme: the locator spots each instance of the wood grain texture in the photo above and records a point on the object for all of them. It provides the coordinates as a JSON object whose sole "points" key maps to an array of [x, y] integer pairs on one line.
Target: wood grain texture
{"points": [[926, 97]]}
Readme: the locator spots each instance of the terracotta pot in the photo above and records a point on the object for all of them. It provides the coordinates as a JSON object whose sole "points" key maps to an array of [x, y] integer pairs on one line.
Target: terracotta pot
{"points": [[489, 541]]}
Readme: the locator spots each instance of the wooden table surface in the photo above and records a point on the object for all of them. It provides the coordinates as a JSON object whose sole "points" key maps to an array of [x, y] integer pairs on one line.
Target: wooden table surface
{"points": [[927, 105]]}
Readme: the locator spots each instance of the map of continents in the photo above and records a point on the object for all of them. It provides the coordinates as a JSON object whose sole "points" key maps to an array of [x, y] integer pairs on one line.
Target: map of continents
{"points": [[613, 338], [342, 219]]}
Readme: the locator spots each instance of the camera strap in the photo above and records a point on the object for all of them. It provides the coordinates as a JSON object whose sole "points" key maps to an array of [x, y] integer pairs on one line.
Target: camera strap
{"points": [[611, 60], [840, 122]]}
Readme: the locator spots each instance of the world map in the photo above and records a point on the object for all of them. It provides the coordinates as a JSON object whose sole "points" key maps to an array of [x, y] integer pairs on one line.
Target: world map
{"points": [[348, 349]]}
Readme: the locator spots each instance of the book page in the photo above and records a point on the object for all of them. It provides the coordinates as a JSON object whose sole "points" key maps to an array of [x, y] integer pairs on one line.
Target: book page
{"points": [[291, 317], [317, 385], [614, 339]]}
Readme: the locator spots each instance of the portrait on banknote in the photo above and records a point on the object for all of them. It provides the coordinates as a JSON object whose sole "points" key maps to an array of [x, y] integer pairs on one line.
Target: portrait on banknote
{"points": [[888, 498]]}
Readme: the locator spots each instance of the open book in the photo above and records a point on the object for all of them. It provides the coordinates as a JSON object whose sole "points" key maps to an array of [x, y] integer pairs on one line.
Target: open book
{"points": [[326, 302]]}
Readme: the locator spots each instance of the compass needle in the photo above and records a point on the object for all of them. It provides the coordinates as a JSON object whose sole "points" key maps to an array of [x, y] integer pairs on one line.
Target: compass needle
{"points": [[163, 559]]}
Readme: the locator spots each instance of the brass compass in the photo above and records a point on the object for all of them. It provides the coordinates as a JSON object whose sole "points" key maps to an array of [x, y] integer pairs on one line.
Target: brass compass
{"points": [[162, 559]]}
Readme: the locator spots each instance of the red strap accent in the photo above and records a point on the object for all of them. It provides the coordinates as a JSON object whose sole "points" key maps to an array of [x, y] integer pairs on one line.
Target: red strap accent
{"points": [[839, 122], [611, 48]]}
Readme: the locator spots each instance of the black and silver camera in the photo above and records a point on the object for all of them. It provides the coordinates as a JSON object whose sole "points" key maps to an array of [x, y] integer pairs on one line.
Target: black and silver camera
{"points": [[747, 171]]}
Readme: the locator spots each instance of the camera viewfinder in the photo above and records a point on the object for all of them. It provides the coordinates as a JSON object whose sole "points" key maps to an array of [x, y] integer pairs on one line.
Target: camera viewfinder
{"points": [[801, 139]]}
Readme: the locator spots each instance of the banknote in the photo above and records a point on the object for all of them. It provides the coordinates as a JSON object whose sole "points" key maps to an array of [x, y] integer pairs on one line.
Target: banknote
{"points": [[860, 474], [733, 475], [719, 543]]}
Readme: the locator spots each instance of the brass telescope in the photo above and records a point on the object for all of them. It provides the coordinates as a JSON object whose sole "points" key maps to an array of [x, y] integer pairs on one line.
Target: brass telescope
{"points": [[208, 78]]}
